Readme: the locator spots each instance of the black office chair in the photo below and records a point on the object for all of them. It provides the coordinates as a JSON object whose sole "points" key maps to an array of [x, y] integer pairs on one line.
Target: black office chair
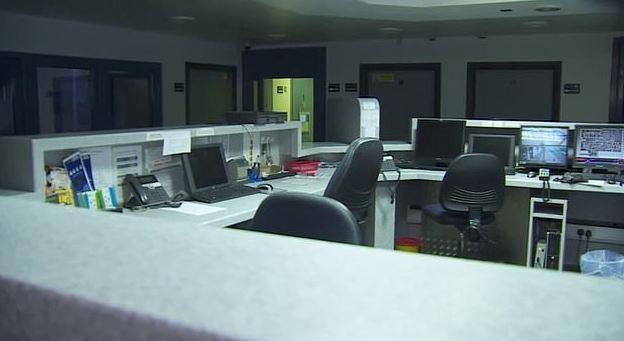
{"points": [[472, 191], [308, 216], [354, 181]]}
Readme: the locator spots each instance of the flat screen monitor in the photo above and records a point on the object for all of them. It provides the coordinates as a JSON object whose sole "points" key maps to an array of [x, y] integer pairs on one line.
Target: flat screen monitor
{"points": [[599, 146], [205, 166], [438, 142], [502, 146], [543, 147]]}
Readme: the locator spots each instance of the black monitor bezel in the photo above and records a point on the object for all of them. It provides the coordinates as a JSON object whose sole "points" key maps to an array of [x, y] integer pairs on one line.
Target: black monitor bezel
{"points": [[600, 165], [434, 160], [544, 165], [188, 172], [511, 162]]}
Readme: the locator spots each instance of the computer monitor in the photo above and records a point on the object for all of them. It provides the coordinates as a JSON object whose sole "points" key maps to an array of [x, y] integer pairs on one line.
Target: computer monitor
{"points": [[502, 146], [438, 142], [543, 147], [599, 147], [205, 167]]}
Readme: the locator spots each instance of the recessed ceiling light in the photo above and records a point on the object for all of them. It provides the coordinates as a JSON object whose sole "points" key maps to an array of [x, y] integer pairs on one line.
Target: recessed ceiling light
{"points": [[390, 30], [549, 8], [181, 19], [276, 35], [536, 23]]}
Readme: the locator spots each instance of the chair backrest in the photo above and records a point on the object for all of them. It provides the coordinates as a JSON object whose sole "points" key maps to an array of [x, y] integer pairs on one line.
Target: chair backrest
{"points": [[353, 183], [473, 181], [308, 216]]}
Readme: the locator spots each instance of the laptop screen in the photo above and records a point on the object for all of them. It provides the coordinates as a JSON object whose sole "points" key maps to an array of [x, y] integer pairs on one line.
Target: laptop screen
{"points": [[205, 166]]}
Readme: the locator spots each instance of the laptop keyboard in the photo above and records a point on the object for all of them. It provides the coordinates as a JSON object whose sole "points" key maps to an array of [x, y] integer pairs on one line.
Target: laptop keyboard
{"points": [[224, 192]]}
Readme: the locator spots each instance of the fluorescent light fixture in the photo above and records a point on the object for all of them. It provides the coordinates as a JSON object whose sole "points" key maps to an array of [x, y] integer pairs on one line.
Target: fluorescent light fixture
{"points": [[181, 19], [437, 3]]}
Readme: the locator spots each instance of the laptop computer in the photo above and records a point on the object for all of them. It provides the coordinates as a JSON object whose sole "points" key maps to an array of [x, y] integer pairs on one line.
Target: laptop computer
{"points": [[207, 176]]}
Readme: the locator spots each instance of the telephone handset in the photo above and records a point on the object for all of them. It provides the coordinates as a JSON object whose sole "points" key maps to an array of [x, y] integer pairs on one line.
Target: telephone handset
{"points": [[145, 191]]}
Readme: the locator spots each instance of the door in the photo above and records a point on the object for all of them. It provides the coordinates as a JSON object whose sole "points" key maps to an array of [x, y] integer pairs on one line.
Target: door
{"points": [[404, 91], [11, 96], [210, 92]]}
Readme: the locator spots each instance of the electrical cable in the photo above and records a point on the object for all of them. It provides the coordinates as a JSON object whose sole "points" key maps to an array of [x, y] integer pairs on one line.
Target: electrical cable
{"points": [[392, 191], [588, 235], [545, 193]]}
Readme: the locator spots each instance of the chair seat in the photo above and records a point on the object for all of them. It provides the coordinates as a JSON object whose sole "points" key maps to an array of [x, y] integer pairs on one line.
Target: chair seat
{"points": [[444, 217]]}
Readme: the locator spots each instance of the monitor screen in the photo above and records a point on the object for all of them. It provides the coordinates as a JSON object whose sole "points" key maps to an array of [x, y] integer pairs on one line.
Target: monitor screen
{"points": [[439, 141], [543, 146], [599, 145], [502, 146], [205, 166]]}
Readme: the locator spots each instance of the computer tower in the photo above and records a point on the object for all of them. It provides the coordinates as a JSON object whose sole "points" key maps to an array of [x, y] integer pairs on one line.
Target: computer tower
{"points": [[351, 118]]}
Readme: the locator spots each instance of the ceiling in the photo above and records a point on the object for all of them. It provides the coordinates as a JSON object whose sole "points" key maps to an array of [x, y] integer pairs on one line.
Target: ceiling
{"points": [[298, 21]]}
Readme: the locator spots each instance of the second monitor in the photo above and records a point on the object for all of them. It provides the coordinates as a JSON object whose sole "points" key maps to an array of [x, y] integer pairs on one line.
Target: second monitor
{"points": [[438, 142], [502, 146], [543, 147]]}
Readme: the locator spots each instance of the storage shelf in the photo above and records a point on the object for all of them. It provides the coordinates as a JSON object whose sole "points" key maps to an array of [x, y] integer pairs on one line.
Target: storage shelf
{"points": [[548, 216]]}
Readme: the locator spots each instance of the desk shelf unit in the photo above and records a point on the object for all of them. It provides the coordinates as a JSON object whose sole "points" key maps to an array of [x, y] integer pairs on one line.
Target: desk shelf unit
{"points": [[547, 231]]}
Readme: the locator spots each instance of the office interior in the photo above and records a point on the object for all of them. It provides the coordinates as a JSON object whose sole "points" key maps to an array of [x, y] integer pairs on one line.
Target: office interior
{"points": [[370, 125]]}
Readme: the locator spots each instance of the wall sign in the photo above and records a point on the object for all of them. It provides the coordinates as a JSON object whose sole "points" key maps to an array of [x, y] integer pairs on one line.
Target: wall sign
{"points": [[351, 87], [178, 87], [333, 87], [572, 88]]}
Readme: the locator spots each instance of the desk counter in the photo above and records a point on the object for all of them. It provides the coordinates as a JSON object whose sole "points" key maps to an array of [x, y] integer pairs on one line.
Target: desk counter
{"points": [[77, 274]]}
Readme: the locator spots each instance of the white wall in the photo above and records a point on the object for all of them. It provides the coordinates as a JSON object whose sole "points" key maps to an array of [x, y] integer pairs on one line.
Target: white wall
{"points": [[20, 33], [586, 59]]}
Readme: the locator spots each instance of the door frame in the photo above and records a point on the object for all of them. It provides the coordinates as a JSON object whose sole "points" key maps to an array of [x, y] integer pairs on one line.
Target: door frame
{"points": [[211, 67], [366, 69], [299, 62], [472, 68], [616, 98]]}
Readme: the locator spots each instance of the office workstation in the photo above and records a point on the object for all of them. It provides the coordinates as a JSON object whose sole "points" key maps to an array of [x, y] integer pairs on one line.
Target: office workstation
{"points": [[260, 169]]}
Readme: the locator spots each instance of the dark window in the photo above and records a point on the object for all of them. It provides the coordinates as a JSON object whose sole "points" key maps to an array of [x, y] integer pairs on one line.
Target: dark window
{"points": [[514, 91], [55, 94]]}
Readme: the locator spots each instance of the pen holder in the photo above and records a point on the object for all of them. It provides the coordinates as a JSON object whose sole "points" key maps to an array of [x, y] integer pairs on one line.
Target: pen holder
{"points": [[253, 174]]}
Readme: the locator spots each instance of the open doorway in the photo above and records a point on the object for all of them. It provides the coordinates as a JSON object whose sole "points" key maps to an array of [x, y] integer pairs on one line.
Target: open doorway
{"points": [[295, 97]]}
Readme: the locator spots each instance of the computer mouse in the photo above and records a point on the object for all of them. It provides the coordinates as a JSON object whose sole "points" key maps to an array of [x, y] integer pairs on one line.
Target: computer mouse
{"points": [[531, 174], [265, 188]]}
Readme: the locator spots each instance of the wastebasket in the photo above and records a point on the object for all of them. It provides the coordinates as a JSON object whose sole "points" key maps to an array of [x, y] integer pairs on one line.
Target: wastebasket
{"points": [[603, 263]]}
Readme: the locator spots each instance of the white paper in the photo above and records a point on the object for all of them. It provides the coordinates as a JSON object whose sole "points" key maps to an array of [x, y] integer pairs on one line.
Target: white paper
{"points": [[193, 208], [154, 136], [155, 160], [204, 132], [176, 142], [101, 166]]}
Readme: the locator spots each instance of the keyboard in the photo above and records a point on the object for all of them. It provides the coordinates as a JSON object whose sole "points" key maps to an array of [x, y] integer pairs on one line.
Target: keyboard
{"points": [[224, 192]]}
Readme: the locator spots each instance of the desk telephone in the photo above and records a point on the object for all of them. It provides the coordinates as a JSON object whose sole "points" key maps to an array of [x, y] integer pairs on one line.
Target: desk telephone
{"points": [[145, 191]]}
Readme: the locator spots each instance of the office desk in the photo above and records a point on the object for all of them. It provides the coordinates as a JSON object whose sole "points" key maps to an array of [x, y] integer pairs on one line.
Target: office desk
{"points": [[241, 209], [389, 217], [114, 276]]}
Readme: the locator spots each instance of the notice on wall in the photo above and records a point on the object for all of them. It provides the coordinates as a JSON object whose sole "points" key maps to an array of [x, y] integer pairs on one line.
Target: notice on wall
{"points": [[176, 142], [572, 88]]}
